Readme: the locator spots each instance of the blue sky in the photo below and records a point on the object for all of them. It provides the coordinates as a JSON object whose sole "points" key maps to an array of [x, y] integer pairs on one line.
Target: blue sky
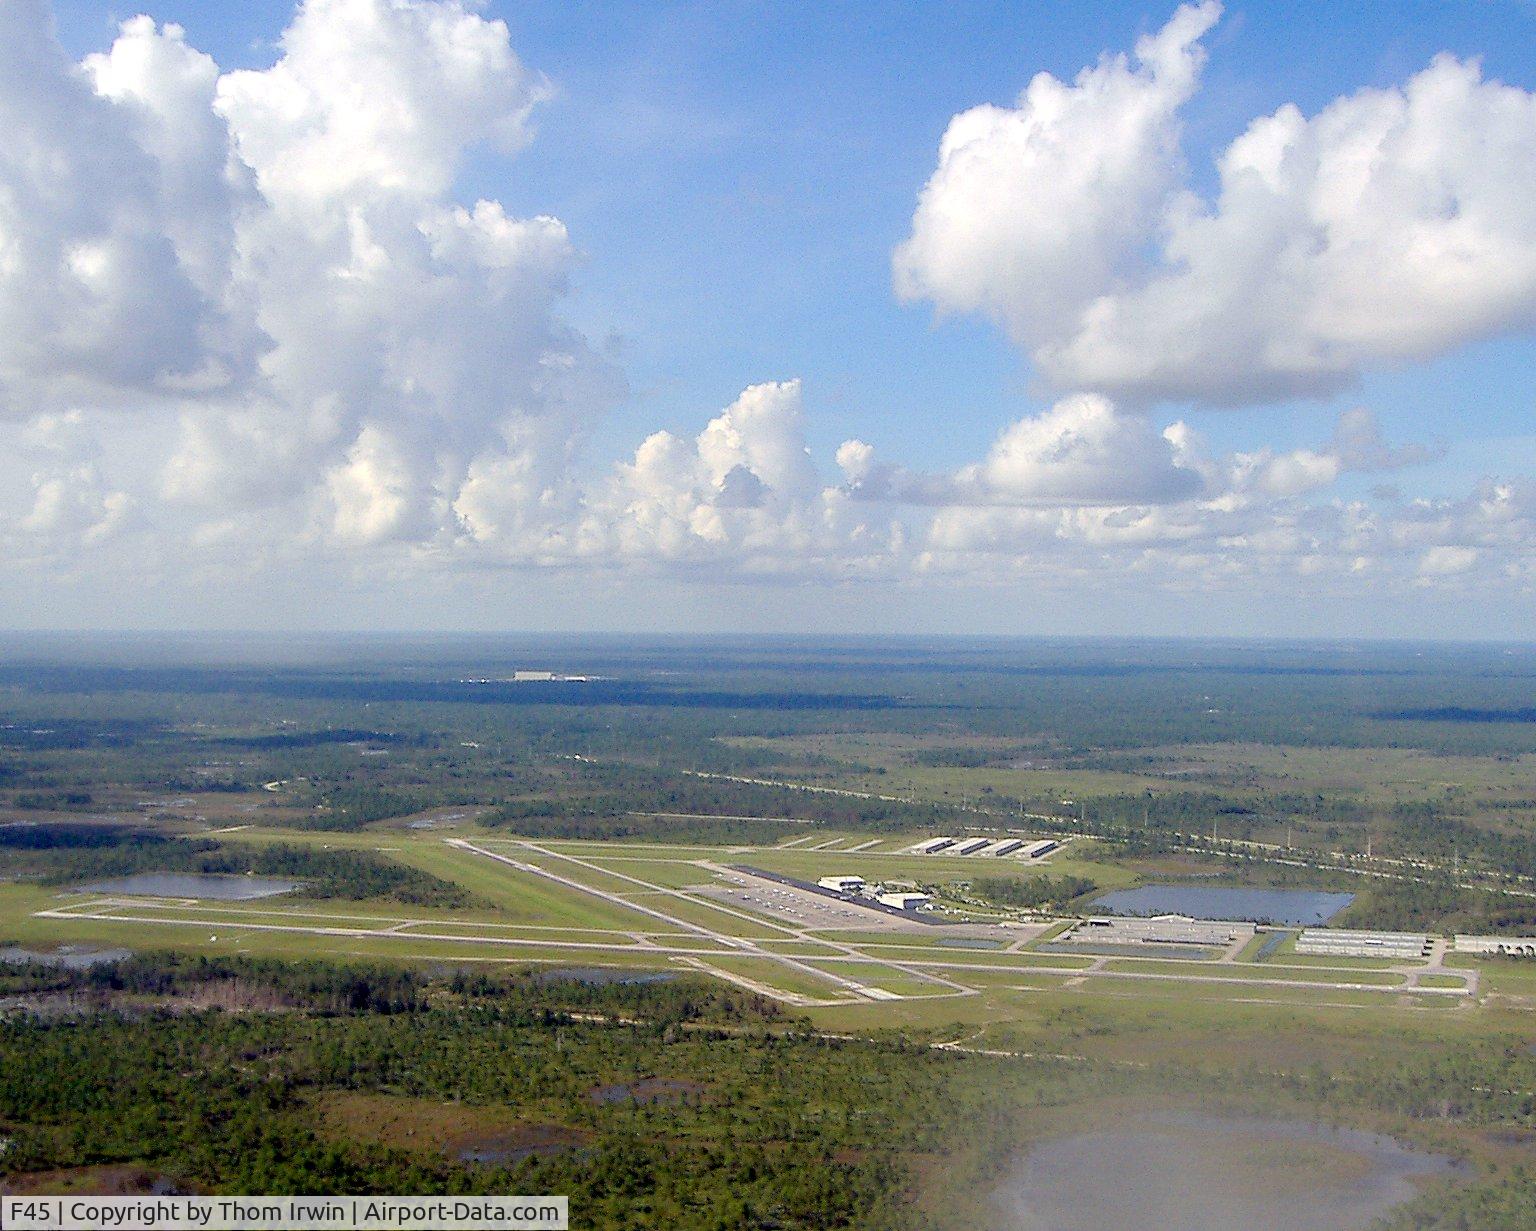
{"points": [[738, 174], [735, 178]]}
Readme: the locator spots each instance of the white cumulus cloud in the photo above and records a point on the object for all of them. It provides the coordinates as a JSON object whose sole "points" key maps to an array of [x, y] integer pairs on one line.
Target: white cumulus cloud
{"points": [[744, 491], [1081, 451], [275, 258], [250, 328], [1392, 226], [1036, 208]]}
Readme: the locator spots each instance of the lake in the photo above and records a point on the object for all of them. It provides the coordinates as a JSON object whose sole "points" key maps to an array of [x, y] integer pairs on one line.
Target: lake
{"points": [[193, 885], [1305, 907], [1183, 1171]]}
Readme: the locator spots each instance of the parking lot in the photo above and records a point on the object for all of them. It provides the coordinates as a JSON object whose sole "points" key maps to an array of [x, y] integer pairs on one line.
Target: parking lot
{"points": [[797, 907]]}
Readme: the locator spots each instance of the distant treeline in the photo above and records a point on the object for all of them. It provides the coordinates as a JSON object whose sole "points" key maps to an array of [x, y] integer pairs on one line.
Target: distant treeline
{"points": [[52, 801], [331, 987], [349, 807], [536, 823], [381, 688], [63, 733], [1458, 713], [1439, 904], [63, 836], [320, 987], [617, 789], [309, 739]]}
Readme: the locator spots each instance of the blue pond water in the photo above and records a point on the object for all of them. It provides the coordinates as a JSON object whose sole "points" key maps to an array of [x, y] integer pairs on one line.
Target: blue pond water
{"points": [[1297, 906]]}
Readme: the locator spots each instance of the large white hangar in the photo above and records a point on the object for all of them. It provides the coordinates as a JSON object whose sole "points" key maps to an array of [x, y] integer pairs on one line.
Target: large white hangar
{"points": [[1346, 942], [1507, 946], [985, 848]]}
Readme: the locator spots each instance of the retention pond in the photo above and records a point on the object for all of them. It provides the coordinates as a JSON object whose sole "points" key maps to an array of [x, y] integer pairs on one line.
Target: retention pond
{"points": [[1180, 1171], [1301, 907], [193, 885]]}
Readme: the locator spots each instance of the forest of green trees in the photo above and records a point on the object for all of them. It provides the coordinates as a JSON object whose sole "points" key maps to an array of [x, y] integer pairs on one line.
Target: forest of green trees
{"points": [[1033, 892], [766, 1124]]}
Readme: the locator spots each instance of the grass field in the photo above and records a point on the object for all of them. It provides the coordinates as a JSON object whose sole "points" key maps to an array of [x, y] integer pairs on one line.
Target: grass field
{"points": [[1240, 970]]}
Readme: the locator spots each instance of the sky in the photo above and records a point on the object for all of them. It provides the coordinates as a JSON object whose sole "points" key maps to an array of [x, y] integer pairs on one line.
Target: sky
{"points": [[1003, 318]]}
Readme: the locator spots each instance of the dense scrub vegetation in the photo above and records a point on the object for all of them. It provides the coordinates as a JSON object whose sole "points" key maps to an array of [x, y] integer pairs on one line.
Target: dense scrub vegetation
{"points": [[1439, 904], [771, 1130], [764, 1125], [330, 987], [1032, 892]]}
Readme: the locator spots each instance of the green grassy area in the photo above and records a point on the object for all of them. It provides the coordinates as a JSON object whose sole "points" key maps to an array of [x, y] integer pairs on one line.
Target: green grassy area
{"points": [[976, 959], [1179, 989], [581, 873], [503, 840], [799, 948], [670, 874], [721, 919], [887, 978], [1507, 976], [1234, 970], [518, 896], [987, 980], [1151, 741], [790, 979], [493, 931], [156, 930], [1332, 962]]}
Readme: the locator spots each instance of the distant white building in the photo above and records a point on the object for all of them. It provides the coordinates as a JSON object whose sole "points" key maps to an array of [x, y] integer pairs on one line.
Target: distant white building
{"points": [[531, 677], [904, 900], [842, 884]]}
